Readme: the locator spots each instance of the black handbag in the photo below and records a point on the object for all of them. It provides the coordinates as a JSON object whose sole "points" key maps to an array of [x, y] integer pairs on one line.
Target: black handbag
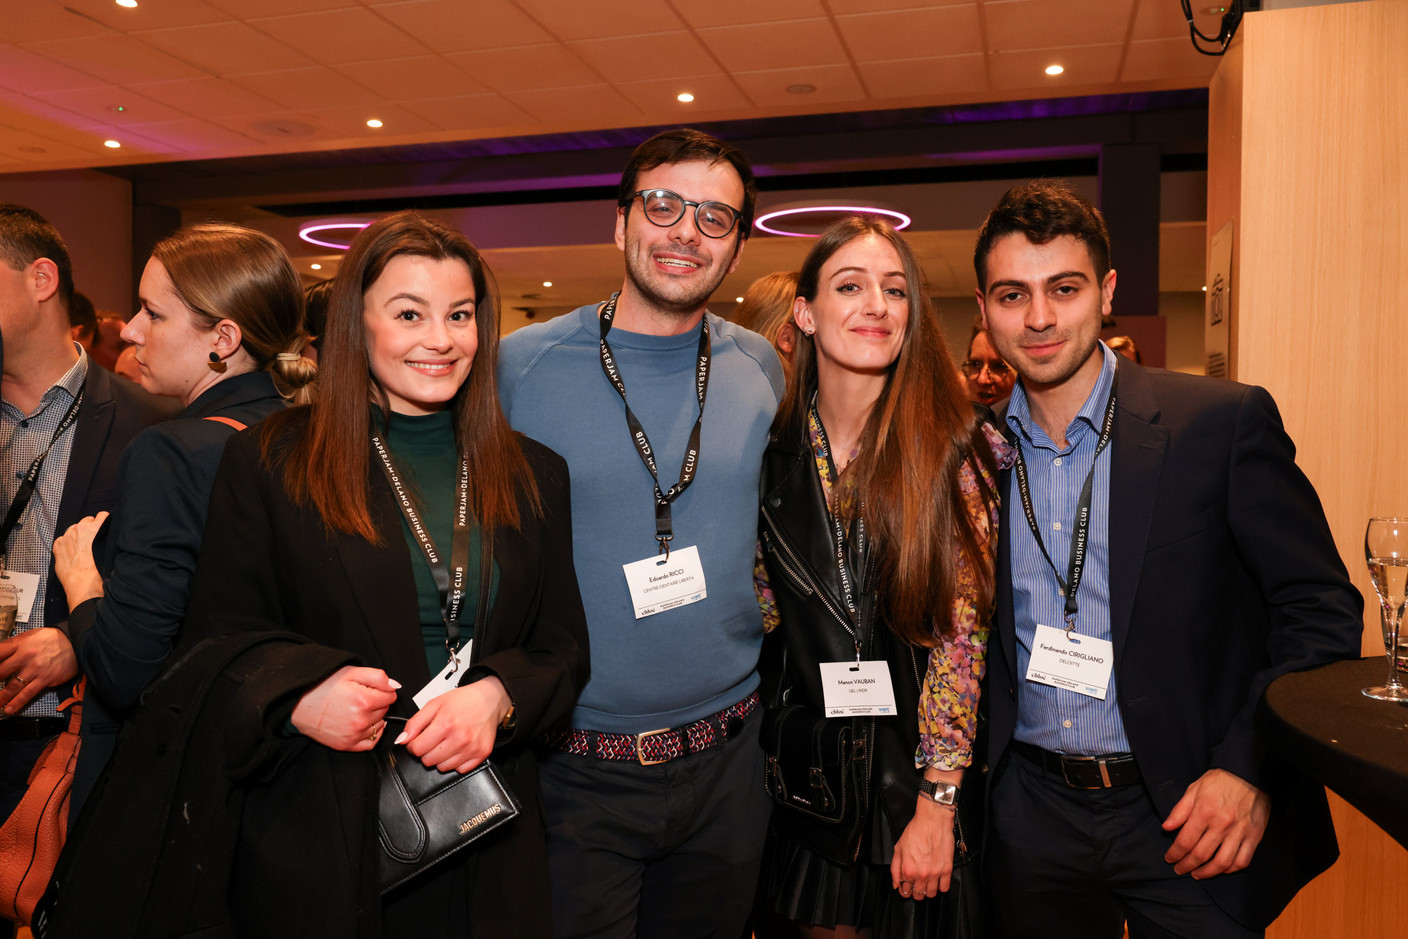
{"points": [[817, 771], [425, 815]]}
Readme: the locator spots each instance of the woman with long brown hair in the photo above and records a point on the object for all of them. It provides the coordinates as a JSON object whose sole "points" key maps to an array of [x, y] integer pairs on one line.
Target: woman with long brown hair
{"points": [[879, 511], [389, 568]]}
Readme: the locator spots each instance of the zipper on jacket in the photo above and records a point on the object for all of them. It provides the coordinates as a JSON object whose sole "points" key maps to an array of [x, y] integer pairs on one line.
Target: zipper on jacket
{"points": [[798, 570]]}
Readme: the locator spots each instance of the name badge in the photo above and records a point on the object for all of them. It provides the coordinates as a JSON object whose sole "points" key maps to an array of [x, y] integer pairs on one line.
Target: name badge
{"points": [[447, 679], [857, 689], [26, 588], [658, 585], [1081, 663]]}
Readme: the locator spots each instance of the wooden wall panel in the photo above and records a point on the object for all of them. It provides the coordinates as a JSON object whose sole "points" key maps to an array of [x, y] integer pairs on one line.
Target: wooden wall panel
{"points": [[1309, 118]]}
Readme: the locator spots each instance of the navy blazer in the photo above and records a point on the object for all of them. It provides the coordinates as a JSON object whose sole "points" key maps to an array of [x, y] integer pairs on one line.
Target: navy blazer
{"points": [[1223, 575], [114, 411]]}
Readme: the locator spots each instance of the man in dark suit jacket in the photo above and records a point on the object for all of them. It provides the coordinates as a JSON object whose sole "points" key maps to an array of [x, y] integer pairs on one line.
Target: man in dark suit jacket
{"points": [[1130, 783], [46, 375]]}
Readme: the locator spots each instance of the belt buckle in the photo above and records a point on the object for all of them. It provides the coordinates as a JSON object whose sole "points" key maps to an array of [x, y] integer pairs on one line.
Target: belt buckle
{"points": [[1097, 760], [640, 752]]}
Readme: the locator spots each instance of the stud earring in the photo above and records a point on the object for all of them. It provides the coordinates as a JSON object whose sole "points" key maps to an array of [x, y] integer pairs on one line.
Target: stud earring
{"points": [[215, 363]]}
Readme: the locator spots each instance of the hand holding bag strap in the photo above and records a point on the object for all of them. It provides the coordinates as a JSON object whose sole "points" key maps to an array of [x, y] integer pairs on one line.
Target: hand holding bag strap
{"points": [[33, 836]]}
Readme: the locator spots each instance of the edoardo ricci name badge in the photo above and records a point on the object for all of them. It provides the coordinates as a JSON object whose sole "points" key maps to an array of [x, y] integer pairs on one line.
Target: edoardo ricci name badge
{"points": [[658, 584]]}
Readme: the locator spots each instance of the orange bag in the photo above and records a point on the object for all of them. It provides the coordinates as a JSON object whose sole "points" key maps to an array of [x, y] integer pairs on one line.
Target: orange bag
{"points": [[31, 839]]}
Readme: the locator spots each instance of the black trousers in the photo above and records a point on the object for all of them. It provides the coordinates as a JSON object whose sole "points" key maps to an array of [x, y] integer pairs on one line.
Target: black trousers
{"points": [[661, 852], [1067, 863]]}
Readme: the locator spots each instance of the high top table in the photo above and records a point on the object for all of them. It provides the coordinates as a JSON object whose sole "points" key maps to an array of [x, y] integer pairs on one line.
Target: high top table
{"points": [[1320, 722]]}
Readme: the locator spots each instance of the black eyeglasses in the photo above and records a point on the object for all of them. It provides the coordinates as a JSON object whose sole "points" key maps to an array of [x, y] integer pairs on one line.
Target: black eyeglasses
{"points": [[998, 370], [665, 208]]}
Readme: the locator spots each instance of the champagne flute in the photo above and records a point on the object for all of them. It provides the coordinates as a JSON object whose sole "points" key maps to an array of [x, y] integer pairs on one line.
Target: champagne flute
{"points": [[1386, 550]]}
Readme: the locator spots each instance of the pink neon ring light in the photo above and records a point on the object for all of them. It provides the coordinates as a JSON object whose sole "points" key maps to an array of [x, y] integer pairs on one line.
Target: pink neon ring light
{"points": [[902, 221], [308, 231]]}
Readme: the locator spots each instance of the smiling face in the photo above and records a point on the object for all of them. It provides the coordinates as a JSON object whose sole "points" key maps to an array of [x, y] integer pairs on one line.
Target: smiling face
{"points": [[1042, 307], [421, 332], [861, 309], [172, 354], [674, 270]]}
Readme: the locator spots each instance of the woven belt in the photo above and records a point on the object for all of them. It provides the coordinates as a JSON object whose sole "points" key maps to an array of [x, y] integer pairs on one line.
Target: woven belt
{"points": [[656, 746], [1083, 772], [32, 728]]}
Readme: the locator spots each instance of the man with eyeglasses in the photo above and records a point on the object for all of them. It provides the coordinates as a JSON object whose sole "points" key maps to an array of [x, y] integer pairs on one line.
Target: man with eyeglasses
{"points": [[654, 797], [987, 374]]}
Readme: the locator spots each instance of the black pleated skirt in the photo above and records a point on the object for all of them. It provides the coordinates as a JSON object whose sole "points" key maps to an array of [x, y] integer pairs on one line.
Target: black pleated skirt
{"points": [[803, 887]]}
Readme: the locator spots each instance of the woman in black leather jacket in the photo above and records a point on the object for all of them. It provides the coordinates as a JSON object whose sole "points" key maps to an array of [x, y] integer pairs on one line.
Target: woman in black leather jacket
{"points": [[879, 507]]}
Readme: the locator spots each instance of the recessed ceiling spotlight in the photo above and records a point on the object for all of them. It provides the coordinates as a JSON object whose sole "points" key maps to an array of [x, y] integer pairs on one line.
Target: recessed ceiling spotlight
{"points": [[800, 89], [111, 144], [547, 283], [316, 267], [1205, 290], [373, 123], [737, 299], [129, 4], [684, 97], [1054, 69]]}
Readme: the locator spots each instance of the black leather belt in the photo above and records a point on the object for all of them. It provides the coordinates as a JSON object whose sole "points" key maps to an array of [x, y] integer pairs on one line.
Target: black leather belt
{"points": [[31, 728], [1083, 772]]}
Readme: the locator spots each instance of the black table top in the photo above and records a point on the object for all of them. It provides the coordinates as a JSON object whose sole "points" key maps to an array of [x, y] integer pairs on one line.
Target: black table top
{"points": [[1320, 722]]}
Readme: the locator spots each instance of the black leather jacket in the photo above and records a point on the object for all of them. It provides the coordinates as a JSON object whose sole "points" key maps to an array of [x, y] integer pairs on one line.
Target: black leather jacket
{"points": [[799, 551]]}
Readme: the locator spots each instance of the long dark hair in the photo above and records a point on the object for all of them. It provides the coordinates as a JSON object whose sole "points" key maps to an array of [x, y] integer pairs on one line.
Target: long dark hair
{"points": [[919, 434], [327, 464]]}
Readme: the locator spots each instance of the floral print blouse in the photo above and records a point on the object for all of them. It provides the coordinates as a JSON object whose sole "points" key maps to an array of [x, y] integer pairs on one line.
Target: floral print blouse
{"points": [[948, 702]]}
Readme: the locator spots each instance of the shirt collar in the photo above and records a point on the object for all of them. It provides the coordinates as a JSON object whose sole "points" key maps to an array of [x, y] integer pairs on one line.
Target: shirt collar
{"points": [[1092, 413], [73, 379]]}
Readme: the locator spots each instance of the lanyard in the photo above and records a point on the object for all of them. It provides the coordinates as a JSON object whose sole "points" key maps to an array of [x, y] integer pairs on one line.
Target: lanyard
{"points": [[838, 533], [664, 528], [449, 581], [31, 479], [1080, 536]]}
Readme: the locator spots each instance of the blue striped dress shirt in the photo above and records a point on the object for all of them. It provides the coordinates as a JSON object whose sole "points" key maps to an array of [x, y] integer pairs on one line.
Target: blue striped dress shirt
{"points": [[1054, 718]]}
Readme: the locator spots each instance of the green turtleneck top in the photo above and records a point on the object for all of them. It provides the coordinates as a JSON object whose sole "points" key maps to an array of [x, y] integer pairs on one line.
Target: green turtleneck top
{"points": [[423, 448]]}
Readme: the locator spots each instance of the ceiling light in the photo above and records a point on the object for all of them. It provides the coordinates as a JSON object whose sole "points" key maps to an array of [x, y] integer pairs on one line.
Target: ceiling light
{"points": [[737, 299], [309, 230], [684, 97], [130, 4], [1205, 290], [111, 144], [316, 267], [800, 89], [547, 283], [1054, 69], [900, 220], [373, 123]]}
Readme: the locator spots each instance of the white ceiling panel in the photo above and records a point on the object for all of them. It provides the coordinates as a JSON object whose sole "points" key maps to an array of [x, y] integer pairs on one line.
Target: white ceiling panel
{"points": [[426, 76], [115, 58], [794, 44], [598, 19], [639, 58], [457, 26], [526, 68], [333, 37], [229, 48], [913, 34]]}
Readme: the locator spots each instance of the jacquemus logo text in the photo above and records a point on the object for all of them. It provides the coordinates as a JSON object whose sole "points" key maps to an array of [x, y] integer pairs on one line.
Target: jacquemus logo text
{"points": [[467, 826]]}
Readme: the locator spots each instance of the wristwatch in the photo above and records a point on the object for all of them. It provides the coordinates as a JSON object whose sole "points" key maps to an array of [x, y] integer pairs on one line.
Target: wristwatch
{"points": [[943, 793]]}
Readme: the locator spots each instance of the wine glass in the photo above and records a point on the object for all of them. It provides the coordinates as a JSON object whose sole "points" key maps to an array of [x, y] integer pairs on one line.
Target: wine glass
{"points": [[1386, 550]]}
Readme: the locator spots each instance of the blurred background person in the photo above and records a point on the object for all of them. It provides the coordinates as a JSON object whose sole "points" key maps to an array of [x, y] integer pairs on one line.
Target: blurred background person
{"points": [[767, 310], [315, 315], [220, 322], [83, 321], [108, 343], [988, 377], [1124, 345]]}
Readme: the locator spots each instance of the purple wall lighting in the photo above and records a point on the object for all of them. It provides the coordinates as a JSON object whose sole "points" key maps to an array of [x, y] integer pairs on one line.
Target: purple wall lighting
{"points": [[320, 232], [827, 214]]}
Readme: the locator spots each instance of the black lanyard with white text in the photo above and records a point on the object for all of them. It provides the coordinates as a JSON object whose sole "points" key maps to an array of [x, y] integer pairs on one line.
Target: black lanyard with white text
{"points": [[838, 531], [1080, 536], [31, 479], [664, 526], [449, 581]]}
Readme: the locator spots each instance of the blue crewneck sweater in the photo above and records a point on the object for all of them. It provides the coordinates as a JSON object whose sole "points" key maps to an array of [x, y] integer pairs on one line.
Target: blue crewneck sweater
{"points": [[686, 663]]}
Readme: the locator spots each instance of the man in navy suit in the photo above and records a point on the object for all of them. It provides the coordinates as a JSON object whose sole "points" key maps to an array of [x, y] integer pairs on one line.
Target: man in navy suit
{"points": [[1163, 558], [78, 417]]}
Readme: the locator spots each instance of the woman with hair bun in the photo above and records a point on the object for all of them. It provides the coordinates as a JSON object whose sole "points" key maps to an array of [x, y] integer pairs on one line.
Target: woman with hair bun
{"points": [[219, 330]]}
